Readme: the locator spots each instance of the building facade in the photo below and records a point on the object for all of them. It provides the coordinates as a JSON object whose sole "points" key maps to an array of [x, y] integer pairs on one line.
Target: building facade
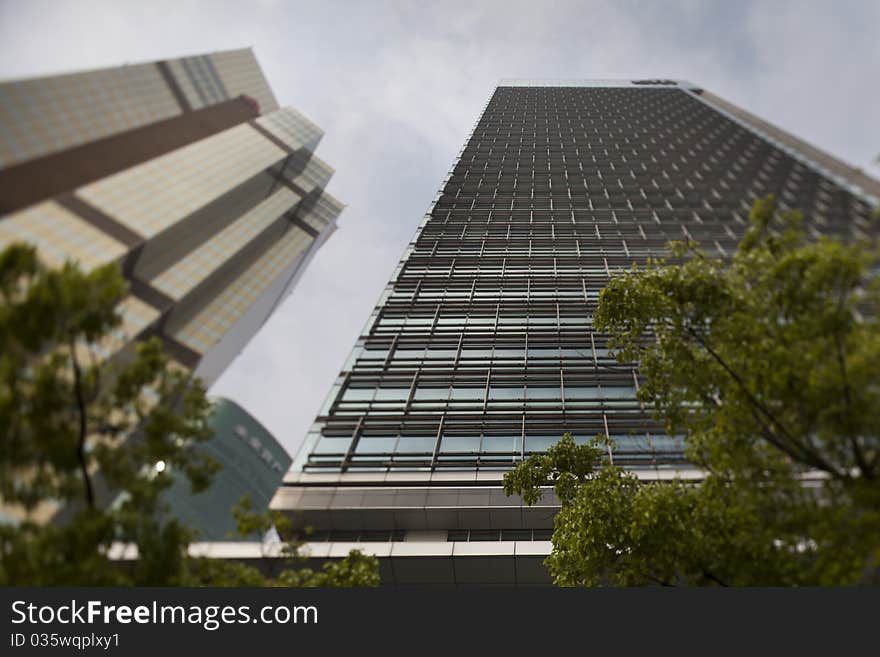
{"points": [[253, 464], [481, 349], [184, 171]]}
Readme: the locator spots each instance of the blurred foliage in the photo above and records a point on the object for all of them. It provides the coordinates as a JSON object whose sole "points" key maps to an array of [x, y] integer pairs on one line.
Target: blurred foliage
{"points": [[84, 434]]}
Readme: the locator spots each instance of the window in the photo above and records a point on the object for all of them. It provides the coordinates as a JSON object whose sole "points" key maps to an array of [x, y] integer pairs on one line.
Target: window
{"points": [[581, 392], [476, 354], [441, 354], [543, 353], [392, 394], [468, 394], [506, 394], [328, 445], [504, 444], [408, 354], [540, 443], [358, 394], [451, 444], [375, 444], [432, 394], [415, 445], [618, 392], [542, 392]]}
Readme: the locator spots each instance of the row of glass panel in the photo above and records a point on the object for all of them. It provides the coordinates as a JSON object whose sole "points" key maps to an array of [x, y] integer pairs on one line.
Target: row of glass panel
{"points": [[503, 319], [481, 332], [545, 240], [579, 216], [583, 191], [496, 255], [567, 201], [637, 249], [485, 354], [500, 445], [518, 393], [505, 233], [512, 292], [526, 258], [539, 270]]}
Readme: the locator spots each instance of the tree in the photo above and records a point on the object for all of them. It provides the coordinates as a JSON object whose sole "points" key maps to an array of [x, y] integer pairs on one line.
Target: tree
{"points": [[769, 365], [85, 432]]}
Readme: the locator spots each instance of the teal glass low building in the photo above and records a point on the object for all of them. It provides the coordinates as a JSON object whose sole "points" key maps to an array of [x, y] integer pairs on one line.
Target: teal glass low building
{"points": [[254, 463]]}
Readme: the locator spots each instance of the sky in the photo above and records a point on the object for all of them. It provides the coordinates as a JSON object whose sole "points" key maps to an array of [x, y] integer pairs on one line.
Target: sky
{"points": [[398, 86]]}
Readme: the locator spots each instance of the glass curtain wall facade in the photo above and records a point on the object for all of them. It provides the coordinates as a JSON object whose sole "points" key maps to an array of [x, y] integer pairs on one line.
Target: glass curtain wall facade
{"points": [[481, 349]]}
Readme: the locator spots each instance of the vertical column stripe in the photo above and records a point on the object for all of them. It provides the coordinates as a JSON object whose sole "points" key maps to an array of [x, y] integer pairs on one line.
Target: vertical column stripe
{"points": [[209, 64], [185, 62], [175, 89]]}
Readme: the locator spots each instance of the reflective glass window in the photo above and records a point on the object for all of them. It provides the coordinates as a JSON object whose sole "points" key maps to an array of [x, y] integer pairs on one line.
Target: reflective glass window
{"points": [[543, 392], [505, 393], [358, 394], [332, 445], [500, 443], [391, 394], [460, 444], [415, 445], [581, 392], [375, 444], [540, 443], [425, 393], [472, 394]]}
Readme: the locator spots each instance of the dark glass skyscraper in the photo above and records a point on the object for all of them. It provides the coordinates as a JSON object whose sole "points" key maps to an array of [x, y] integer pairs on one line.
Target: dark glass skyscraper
{"points": [[481, 349]]}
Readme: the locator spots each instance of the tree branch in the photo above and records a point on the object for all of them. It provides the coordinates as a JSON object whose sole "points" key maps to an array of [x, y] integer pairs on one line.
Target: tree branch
{"points": [[96, 370], [795, 450], [712, 578], [81, 439], [661, 582], [867, 470]]}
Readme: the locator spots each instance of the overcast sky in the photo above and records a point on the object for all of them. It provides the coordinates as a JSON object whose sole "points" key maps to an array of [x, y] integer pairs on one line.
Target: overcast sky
{"points": [[397, 86]]}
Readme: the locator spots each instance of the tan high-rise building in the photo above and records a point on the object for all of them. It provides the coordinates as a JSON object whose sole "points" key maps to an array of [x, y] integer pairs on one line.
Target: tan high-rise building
{"points": [[185, 171]]}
